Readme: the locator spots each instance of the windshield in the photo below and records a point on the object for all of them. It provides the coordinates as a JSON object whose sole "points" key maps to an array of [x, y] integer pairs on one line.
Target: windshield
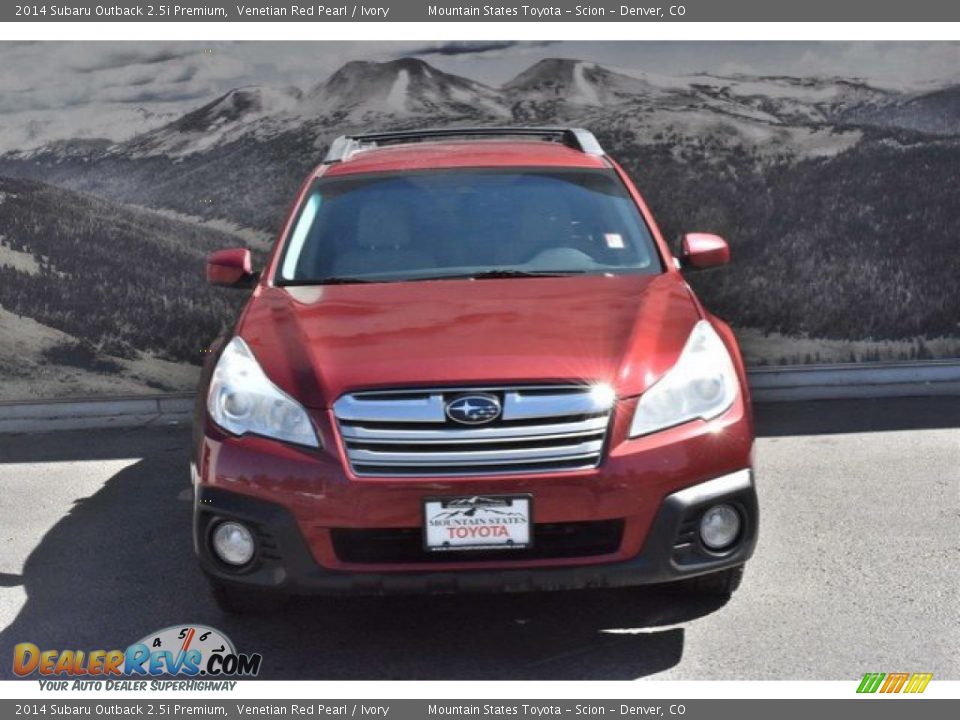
{"points": [[467, 223]]}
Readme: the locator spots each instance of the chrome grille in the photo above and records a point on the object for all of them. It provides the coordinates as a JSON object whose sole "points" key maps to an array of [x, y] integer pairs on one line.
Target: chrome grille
{"points": [[407, 432]]}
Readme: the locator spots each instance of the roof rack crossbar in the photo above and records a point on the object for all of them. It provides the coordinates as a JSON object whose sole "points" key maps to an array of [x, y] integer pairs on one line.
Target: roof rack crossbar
{"points": [[577, 138]]}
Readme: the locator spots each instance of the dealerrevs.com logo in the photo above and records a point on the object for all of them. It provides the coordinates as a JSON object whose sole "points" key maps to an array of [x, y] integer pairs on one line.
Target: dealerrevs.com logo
{"points": [[180, 650]]}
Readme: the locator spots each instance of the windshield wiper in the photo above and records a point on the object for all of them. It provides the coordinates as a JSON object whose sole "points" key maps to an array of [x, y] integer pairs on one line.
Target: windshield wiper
{"points": [[508, 273], [480, 275], [332, 280]]}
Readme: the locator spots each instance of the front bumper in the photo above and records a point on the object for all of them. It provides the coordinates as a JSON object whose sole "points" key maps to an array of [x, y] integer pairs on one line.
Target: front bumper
{"points": [[670, 550]]}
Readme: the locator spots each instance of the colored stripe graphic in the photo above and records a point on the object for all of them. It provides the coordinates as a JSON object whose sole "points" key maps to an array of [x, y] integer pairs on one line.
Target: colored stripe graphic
{"points": [[870, 682], [918, 682], [894, 682]]}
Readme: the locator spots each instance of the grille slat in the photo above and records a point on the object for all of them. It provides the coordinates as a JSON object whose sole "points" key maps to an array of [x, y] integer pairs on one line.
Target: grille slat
{"points": [[408, 432], [590, 426], [475, 457]]}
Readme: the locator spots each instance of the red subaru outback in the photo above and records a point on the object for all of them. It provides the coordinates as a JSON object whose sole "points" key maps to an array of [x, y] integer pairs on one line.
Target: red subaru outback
{"points": [[471, 363]]}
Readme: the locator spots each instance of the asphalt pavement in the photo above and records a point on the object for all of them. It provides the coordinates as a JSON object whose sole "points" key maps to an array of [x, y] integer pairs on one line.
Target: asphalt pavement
{"points": [[857, 568]]}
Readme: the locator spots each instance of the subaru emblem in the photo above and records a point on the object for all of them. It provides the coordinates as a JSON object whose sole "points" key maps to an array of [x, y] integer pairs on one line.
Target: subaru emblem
{"points": [[474, 409]]}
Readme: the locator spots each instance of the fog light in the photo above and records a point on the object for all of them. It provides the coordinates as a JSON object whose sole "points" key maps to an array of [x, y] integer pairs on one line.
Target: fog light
{"points": [[719, 527], [233, 543]]}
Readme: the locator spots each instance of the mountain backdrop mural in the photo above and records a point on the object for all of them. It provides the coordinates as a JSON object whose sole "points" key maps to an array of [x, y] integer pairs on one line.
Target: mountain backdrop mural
{"points": [[840, 199]]}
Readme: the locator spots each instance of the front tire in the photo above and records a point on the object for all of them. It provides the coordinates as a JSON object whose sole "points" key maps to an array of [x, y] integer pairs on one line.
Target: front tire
{"points": [[238, 600]]}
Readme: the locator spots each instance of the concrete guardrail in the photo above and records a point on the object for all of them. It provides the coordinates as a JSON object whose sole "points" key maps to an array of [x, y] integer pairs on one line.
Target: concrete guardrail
{"points": [[773, 384]]}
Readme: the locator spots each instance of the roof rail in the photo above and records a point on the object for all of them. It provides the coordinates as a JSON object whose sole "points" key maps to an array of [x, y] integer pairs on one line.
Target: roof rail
{"points": [[577, 138]]}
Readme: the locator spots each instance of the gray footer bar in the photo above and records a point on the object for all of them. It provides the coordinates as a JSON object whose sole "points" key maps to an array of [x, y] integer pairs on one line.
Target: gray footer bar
{"points": [[875, 707], [776, 384]]}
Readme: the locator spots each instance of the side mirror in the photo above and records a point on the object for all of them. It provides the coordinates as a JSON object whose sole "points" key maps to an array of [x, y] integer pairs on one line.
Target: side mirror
{"points": [[231, 268], [703, 250]]}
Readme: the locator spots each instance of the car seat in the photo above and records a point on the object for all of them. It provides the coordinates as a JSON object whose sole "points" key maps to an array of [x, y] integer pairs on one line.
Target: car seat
{"points": [[545, 223], [382, 243]]}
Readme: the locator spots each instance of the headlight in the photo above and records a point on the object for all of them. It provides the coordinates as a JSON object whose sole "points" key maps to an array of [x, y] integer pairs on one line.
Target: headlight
{"points": [[703, 384], [243, 400]]}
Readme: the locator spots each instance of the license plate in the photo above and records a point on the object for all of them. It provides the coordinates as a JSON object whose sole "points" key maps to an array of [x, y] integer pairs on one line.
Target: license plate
{"points": [[478, 522]]}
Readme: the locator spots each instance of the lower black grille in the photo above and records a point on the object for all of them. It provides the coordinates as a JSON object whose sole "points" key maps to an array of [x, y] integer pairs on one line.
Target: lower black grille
{"points": [[268, 546], [687, 534], [405, 545]]}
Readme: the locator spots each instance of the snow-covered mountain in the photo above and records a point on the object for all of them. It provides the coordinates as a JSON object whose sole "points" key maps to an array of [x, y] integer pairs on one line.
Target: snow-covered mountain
{"points": [[280, 133], [791, 99], [772, 114], [569, 86], [826, 187], [578, 83], [356, 95], [28, 130], [407, 87], [224, 119], [936, 111]]}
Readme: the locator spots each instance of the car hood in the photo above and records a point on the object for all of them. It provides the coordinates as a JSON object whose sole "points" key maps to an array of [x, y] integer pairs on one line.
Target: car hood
{"points": [[319, 342]]}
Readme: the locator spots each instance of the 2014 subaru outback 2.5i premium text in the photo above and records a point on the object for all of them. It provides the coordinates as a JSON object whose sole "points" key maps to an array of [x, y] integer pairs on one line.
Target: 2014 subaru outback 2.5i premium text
{"points": [[471, 363]]}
